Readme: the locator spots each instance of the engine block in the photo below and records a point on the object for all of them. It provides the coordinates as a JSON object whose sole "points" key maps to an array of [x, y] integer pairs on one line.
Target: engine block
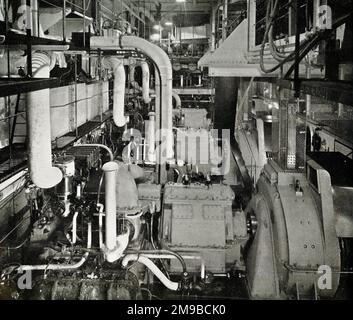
{"points": [[199, 219]]}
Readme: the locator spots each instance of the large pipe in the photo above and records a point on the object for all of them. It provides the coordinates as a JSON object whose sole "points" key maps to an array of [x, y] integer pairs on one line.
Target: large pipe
{"points": [[164, 66], [117, 66], [110, 171], [34, 18], [145, 79], [177, 100], [171, 285], [151, 136], [213, 28], [114, 245], [132, 69], [158, 99], [145, 82], [42, 173]]}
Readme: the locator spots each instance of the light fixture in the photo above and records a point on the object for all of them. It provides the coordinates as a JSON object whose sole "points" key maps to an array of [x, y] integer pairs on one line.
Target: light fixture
{"points": [[273, 105], [169, 23], [157, 27], [155, 37], [180, 1]]}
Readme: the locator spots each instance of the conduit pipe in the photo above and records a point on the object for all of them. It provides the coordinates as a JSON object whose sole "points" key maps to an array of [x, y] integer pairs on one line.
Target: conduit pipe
{"points": [[110, 171], [77, 265], [100, 208], [42, 173], [114, 246], [132, 69], [177, 100], [164, 66], [171, 257], [117, 66], [171, 285], [145, 82], [151, 136], [158, 100], [145, 79], [74, 228]]}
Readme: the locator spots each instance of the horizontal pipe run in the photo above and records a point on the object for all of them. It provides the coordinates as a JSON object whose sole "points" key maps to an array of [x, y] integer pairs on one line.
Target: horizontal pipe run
{"points": [[74, 266]]}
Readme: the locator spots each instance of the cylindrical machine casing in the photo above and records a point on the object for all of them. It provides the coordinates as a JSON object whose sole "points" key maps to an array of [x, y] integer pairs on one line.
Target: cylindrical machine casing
{"points": [[110, 170], [67, 166]]}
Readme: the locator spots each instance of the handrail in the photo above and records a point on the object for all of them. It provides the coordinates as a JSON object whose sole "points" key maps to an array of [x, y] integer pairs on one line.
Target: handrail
{"points": [[252, 165]]}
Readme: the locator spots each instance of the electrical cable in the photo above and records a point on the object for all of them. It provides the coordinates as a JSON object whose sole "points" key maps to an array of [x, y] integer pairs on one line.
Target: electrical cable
{"points": [[155, 248], [316, 41], [278, 56]]}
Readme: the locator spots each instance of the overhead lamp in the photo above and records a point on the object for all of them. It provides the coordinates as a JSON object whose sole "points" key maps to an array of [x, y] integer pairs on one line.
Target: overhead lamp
{"points": [[180, 1], [169, 23], [157, 27], [155, 37]]}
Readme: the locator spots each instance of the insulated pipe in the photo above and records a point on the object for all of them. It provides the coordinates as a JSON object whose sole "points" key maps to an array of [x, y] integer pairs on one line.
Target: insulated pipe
{"points": [[117, 66], [158, 99], [42, 173], [145, 79], [74, 266], [164, 66], [114, 245], [100, 223], [168, 256], [213, 28], [171, 285], [74, 228], [171, 257], [34, 18], [177, 100], [132, 69], [151, 135], [145, 82], [110, 171]]}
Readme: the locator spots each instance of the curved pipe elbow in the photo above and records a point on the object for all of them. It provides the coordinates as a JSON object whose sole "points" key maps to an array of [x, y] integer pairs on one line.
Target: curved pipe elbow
{"points": [[171, 285], [164, 65], [118, 69], [177, 100], [42, 172]]}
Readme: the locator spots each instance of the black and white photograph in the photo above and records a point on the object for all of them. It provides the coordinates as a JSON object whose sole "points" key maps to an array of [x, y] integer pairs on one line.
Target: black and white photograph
{"points": [[176, 156]]}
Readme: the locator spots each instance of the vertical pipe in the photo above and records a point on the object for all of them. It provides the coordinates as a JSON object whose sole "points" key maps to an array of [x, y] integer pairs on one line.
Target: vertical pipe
{"points": [[42, 173], [308, 96], [145, 82], [158, 98], [76, 98], [64, 21], [84, 23], [132, 69], [151, 154], [297, 50], [110, 171], [165, 71], [119, 89], [225, 20], [35, 18], [292, 137]]}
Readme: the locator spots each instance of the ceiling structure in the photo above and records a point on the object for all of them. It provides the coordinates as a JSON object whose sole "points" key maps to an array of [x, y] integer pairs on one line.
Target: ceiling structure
{"points": [[190, 12]]}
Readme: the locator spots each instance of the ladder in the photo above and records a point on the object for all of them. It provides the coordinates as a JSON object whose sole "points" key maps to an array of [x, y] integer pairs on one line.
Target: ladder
{"points": [[19, 122]]}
